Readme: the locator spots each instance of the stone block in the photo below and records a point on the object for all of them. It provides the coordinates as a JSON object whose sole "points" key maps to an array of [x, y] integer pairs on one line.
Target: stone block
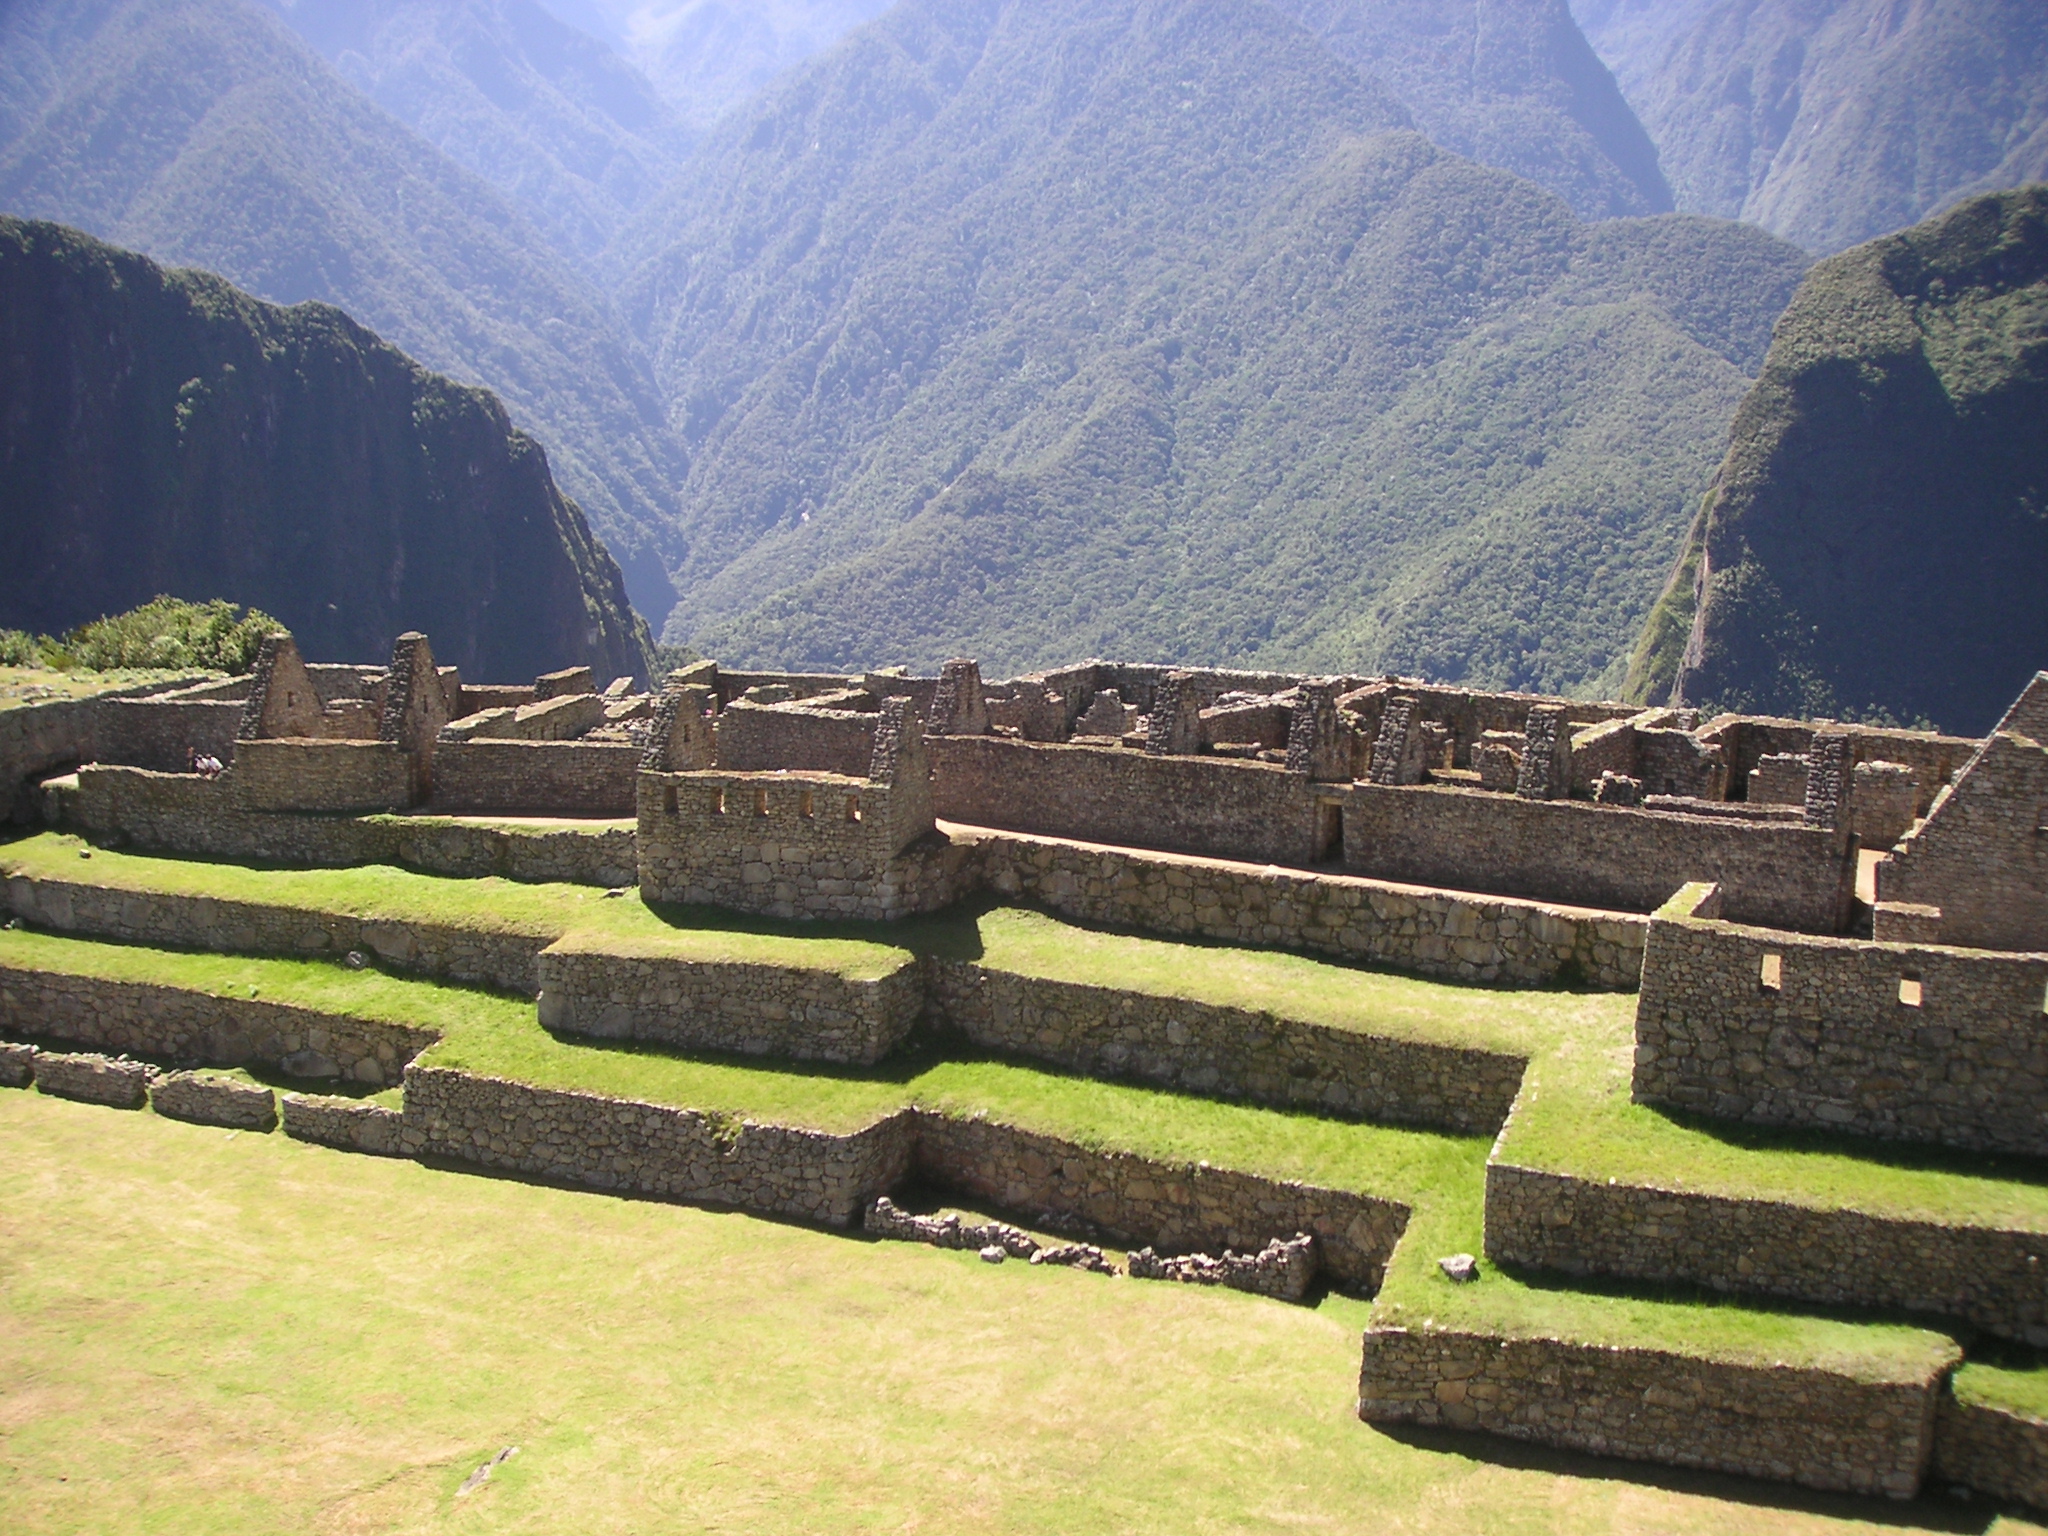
{"points": [[94, 1079], [206, 1099]]}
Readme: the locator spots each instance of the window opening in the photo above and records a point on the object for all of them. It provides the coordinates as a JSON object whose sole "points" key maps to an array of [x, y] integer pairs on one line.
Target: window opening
{"points": [[668, 800], [760, 802], [1909, 990], [718, 803], [1771, 977], [853, 807], [803, 805]]}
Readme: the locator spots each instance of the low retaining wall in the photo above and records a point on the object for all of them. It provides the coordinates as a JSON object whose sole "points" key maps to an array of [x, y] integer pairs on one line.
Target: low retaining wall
{"points": [[1750, 1024], [205, 1100], [93, 1078], [1409, 928], [181, 813], [175, 1024], [17, 1065], [1134, 1200], [652, 1149], [1200, 1048], [349, 1125], [1983, 1275], [247, 928], [1784, 1423], [756, 1010], [1992, 1450]]}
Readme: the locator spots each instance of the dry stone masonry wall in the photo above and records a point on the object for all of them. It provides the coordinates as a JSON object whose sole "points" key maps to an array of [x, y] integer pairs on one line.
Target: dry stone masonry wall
{"points": [[755, 1010], [1410, 928], [1993, 1277], [173, 1024], [503, 960], [1789, 1424], [1903, 1042], [1132, 1200], [1202, 1048]]}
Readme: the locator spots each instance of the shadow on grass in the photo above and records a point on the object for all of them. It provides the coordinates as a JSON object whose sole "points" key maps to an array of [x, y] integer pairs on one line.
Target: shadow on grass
{"points": [[1936, 1509]]}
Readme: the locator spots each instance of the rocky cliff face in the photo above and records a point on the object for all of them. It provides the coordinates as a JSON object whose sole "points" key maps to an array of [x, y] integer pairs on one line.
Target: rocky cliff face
{"points": [[162, 431], [1875, 541]]}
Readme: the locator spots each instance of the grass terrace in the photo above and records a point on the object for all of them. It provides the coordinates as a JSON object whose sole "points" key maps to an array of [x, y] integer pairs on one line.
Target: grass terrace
{"points": [[1440, 1177]]}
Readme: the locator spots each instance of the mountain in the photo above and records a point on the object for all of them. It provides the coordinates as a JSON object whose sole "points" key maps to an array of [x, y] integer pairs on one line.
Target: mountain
{"points": [[205, 134], [1035, 329], [1830, 122], [165, 432], [570, 132], [1515, 86], [708, 56], [1875, 541]]}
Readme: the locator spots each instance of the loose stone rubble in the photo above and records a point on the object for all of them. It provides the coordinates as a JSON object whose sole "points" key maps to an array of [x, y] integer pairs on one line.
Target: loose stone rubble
{"points": [[1283, 1269]]}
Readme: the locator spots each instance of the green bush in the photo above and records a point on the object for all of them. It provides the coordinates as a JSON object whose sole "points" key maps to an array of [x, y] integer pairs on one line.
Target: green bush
{"points": [[18, 648], [166, 633]]}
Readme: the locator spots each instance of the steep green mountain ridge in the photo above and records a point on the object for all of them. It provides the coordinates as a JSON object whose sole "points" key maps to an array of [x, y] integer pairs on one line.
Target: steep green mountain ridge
{"points": [[1832, 121], [1877, 536], [574, 135], [165, 432], [1516, 87], [1148, 329], [204, 133]]}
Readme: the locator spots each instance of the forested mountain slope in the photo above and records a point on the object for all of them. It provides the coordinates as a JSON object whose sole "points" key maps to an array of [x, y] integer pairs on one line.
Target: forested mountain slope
{"points": [[1514, 86], [204, 133], [708, 56], [1037, 329], [574, 135], [165, 432], [1878, 536], [1833, 121]]}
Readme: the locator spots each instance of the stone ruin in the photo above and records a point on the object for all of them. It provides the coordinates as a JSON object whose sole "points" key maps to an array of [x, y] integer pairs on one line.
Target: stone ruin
{"points": [[1831, 926]]}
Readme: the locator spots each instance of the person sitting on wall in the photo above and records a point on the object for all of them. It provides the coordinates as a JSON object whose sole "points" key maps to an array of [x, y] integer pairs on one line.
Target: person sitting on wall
{"points": [[205, 764]]}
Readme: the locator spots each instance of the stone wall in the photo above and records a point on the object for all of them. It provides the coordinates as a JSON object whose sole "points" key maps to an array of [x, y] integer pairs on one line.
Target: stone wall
{"points": [[559, 778], [1408, 928], [790, 846], [300, 774], [756, 736], [755, 1010], [1134, 1200], [188, 815], [1226, 807], [1981, 856], [184, 1027], [1786, 1423], [93, 1078], [678, 1154], [204, 1099], [1605, 856], [1993, 1451], [53, 736], [1228, 1052], [504, 960], [1989, 1276], [163, 731], [347, 1125], [1899, 1041]]}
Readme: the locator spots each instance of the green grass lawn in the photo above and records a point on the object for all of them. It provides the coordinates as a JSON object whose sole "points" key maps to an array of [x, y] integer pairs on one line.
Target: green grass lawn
{"points": [[1575, 1117], [382, 893], [209, 1334], [1440, 1177]]}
